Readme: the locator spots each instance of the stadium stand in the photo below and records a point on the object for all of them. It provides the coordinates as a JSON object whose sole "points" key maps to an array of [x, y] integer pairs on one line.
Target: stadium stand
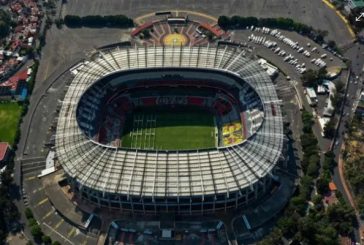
{"points": [[182, 181]]}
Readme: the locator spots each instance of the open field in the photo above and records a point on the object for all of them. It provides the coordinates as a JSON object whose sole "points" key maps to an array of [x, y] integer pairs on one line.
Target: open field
{"points": [[168, 130], [9, 117]]}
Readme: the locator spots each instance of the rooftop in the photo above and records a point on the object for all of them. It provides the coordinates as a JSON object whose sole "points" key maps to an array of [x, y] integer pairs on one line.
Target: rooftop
{"points": [[4, 146], [357, 3], [14, 80], [178, 173]]}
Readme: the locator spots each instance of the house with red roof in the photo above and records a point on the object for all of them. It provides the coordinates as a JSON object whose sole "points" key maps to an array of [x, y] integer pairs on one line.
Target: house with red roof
{"points": [[4, 152], [15, 86]]}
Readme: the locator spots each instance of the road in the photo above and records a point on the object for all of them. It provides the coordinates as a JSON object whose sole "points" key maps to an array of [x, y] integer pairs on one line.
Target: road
{"points": [[354, 87]]}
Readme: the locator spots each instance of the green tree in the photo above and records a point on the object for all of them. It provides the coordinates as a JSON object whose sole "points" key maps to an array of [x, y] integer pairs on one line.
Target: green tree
{"points": [[32, 222], [313, 165], [73, 21], [5, 22], [299, 204], [28, 213], [317, 199], [340, 86], [327, 235], [342, 217], [224, 22], [274, 238], [146, 34], [321, 73], [309, 78], [331, 44], [46, 239], [322, 185], [288, 225], [330, 128], [36, 232]]}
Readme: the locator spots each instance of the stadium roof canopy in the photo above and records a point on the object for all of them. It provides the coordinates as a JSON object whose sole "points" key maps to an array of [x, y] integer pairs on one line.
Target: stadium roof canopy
{"points": [[174, 173]]}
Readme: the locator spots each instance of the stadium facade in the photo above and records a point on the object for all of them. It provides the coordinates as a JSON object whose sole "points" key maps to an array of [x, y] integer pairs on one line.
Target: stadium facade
{"points": [[182, 181]]}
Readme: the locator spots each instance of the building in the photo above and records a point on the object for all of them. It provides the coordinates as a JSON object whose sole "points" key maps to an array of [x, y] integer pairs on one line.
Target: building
{"points": [[321, 90], [154, 181], [269, 68], [354, 4], [15, 87], [4, 152], [311, 96], [330, 87], [360, 108]]}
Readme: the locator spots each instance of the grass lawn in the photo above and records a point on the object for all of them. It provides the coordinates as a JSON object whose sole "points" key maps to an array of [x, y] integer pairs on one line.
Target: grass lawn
{"points": [[157, 128], [9, 117]]}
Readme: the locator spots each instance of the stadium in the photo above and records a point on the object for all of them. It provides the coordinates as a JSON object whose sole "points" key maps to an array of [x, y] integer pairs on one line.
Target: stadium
{"points": [[188, 130]]}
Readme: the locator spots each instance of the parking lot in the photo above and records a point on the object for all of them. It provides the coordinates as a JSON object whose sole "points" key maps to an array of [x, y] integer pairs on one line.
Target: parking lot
{"points": [[287, 50], [312, 13], [51, 222]]}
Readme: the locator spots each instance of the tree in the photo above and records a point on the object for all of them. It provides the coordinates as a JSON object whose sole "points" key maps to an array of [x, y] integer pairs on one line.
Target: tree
{"points": [[342, 217], [330, 128], [4, 29], [46, 239], [306, 187], [326, 235], [320, 35], [28, 213], [288, 226], [120, 21], [59, 23], [331, 44], [322, 185], [5, 22], [93, 21], [317, 199], [36, 232], [224, 22], [321, 73], [329, 161], [340, 87], [309, 78], [73, 21], [274, 238], [210, 36], [32, 222], [313, 165], [299, 204], [146, 34], [307, 227], [56, 243]]}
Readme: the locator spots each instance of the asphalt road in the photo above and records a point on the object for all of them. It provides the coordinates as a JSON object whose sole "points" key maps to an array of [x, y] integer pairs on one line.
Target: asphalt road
{"points": [[355, 85]]}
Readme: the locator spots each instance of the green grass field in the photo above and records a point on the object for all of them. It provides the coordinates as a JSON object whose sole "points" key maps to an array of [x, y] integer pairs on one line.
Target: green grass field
{"points": [[9, 117], [158, 128]]}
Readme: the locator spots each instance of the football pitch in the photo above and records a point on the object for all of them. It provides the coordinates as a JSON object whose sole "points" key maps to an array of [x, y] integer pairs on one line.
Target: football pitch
{"points": [[9, 118], [168, 129]]}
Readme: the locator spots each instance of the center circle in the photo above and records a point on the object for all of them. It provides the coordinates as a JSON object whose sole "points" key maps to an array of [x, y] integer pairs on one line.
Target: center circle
{"points": [[175, 39]]}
